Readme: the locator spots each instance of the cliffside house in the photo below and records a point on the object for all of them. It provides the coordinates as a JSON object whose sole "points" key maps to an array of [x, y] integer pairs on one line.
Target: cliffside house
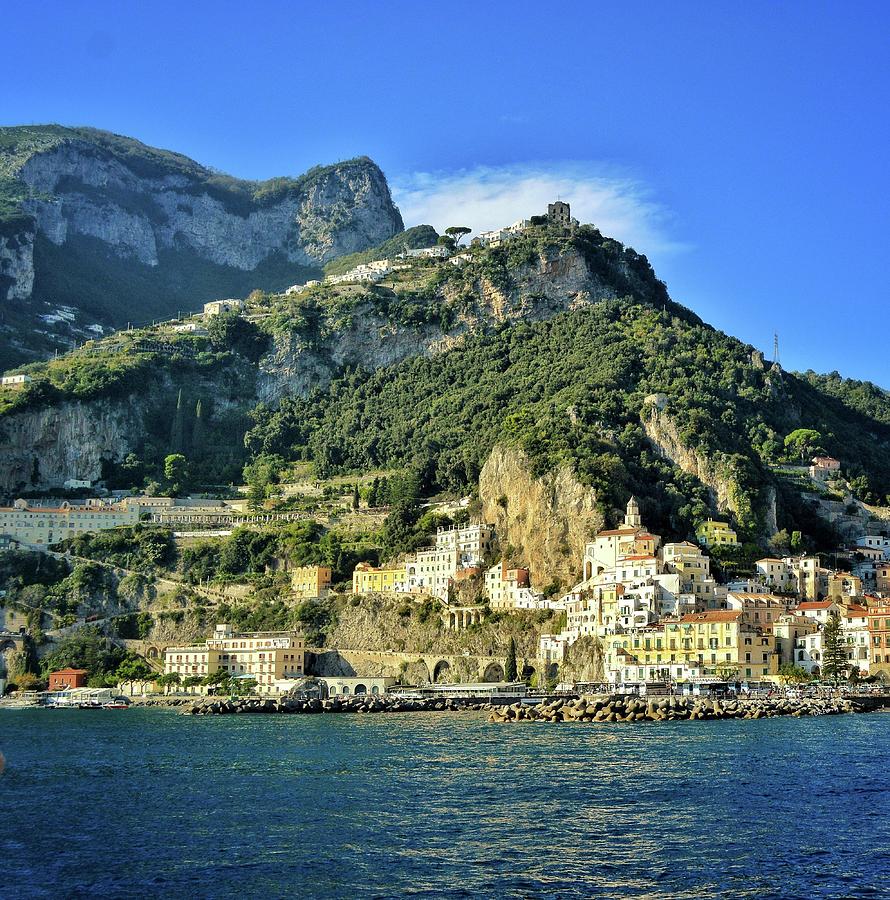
{"points": [[437, 251], [15, 382], [824, 467], [215, 307], [878, 617], [511, 589], [716, 534], [311, 582], [39, 526], [368, 579]]}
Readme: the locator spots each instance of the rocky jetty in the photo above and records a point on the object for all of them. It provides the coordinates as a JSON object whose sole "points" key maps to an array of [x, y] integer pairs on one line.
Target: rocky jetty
{"points": [[604, 708], [208, 706]]}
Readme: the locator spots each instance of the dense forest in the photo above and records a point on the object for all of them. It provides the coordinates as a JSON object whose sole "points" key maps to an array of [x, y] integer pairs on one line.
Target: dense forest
{"points": [[575, 388]]}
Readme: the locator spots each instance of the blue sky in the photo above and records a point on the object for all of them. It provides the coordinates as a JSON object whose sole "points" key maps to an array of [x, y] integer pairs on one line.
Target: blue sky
{"points": [[743, 147]]}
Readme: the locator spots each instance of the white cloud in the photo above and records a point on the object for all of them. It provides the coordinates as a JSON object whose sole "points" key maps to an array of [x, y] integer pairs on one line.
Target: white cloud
{"points": [[484, 198]]}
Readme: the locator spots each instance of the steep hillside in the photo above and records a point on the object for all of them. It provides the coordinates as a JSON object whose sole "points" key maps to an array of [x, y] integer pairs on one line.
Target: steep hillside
{"points": [[98, 229], [555, 367], [86, 411]]}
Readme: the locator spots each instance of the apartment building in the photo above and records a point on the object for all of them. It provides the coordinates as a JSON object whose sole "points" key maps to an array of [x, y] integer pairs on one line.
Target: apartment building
{"points": [[40, 526], [263, 656]]}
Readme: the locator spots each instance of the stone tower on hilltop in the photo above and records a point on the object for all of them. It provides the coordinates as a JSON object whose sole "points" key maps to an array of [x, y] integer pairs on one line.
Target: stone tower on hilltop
{"points": [[560, 213]]}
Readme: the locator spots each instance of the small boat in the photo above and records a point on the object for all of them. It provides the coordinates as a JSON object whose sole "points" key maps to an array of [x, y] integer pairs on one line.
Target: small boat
{"points": [[116, 703]]}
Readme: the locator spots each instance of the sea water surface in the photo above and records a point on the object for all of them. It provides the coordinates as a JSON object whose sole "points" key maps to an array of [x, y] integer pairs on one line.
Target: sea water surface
{"points": [[150, 803]]}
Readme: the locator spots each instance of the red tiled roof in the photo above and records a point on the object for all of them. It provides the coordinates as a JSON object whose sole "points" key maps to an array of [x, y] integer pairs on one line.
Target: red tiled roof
{"points": [[713, 615], [815, 604]]}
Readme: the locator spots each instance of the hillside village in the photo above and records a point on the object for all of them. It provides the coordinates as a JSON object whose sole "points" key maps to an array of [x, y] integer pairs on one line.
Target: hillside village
{"points": [[651, 614]]}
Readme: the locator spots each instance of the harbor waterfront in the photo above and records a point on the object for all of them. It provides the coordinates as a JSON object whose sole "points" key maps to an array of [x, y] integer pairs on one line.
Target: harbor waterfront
{"points": [[435, 805]]}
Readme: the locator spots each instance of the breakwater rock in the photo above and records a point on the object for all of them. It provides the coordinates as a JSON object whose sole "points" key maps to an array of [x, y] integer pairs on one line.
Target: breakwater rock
{"points": [[209, 706], [666, 709]]}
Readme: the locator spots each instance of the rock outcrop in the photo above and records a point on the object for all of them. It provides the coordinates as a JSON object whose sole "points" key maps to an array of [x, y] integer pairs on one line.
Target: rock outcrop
{"points": [[44, 447], [98, 215], [547, 520], [718, 476], [76, 189]]}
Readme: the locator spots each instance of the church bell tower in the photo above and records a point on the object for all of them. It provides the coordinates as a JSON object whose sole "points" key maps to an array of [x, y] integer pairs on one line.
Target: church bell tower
{"points": [[632, 516]]}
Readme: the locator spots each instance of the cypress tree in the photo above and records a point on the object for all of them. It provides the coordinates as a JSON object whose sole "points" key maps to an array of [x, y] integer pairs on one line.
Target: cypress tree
{"points": [[510, 670], [834, 649], [198, 427], [374, 493], [177, 429]]}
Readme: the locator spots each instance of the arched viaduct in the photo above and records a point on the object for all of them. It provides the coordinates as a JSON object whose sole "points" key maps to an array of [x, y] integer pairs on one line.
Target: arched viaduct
{"points": [[415, 668]]}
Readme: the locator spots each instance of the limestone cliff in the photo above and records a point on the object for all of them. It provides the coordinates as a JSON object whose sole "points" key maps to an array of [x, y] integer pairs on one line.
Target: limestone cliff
{"points": [[16, 262], [107, 225], [45, 447], [717, 474], [42, 447], [547, 520]]}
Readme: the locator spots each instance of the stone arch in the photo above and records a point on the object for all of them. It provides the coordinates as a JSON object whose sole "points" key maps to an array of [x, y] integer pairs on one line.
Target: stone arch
{"points": [[493, 672], [360, 689], [332, 690], [7, 645], [442, 671], [375, 690], [588, 570], [345, 690], [529, 673], [152, 653]]}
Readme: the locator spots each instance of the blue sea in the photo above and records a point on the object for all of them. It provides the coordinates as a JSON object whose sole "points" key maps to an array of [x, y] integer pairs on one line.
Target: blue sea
{"points": [[150, 803]]}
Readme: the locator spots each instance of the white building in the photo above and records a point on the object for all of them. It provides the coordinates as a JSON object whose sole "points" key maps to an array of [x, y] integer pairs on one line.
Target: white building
{"points": [[438, 251], [431, 571], [472, 542], [552, 647], [510, 589], [15, 381], [299, 288], [820, 610], [878, 542]]}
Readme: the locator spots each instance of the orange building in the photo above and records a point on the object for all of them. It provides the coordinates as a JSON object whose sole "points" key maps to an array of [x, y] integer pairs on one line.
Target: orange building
{"points": [[879, 639], [67, 678]]}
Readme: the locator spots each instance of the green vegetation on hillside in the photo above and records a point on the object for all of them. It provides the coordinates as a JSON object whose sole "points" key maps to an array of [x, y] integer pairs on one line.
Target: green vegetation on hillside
{"points": [[574, 388], [136, 547], [411, 239]]}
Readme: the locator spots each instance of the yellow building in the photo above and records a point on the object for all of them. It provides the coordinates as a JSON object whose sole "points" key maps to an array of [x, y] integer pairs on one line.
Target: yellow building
{"points": [[265, 656], [715, 644], [367, 579], [40, 526], [311, 582], [716, 534]]}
